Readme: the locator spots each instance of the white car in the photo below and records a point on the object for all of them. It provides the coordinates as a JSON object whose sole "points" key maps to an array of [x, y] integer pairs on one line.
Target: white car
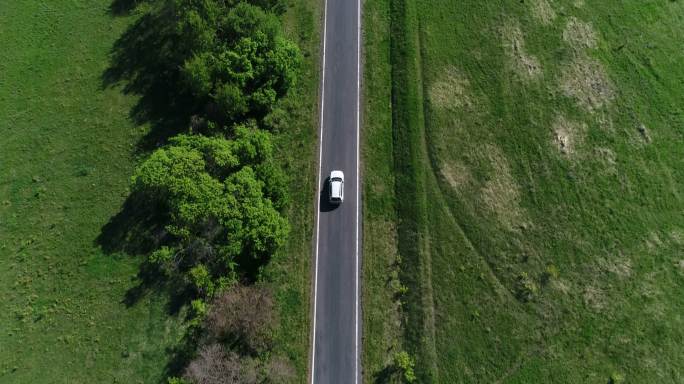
{"points": [[336, 187]]}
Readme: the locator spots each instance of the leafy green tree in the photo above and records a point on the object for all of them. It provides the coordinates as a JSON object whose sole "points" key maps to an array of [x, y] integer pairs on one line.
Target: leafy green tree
{"points": [[238, 63], [201, 279], [197, 313], [176, 380], [262, 228], [164, 259], [405, 364], [220, 202], [224, 61], [276, 183]]}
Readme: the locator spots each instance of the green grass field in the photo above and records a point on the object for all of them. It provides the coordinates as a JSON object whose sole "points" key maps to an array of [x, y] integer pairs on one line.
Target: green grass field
{"points": [[66, 160], [525, 162], [67, 151]]}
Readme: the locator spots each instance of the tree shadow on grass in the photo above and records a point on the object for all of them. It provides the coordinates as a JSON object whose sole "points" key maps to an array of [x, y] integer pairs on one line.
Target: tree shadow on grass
{"points": [[145, 60], [181, 354], [386, 376], [137, 230], [124, 7], [152, 281]]}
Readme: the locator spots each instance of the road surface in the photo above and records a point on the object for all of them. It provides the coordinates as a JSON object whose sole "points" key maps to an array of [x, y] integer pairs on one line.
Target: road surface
{"points": [[336, 318]]}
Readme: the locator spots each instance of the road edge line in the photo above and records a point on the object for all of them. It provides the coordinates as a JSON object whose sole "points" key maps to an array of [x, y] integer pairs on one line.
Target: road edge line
{"points": [[357, 358], [318, 191]]}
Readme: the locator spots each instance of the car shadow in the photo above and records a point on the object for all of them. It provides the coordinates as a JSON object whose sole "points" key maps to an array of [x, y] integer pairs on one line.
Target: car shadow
{"points": [[325, 205]]}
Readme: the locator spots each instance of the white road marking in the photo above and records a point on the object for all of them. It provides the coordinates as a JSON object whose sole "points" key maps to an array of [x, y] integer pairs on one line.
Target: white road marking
{"points": [[318, 192], [358, 178]]}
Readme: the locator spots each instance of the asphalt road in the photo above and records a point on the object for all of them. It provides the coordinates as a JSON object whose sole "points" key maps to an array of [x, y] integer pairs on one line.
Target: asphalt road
{"points": [[336, 344]]}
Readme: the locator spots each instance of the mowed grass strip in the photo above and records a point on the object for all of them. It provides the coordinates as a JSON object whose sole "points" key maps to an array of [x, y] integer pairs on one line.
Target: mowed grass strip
{"points": [[553, 179], [381, 312], [396, 256], [289, 271]]}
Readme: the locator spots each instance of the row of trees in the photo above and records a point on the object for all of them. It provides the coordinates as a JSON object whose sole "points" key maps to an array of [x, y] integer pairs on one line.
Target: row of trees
{"points": [[218, 185], [219, 191]]}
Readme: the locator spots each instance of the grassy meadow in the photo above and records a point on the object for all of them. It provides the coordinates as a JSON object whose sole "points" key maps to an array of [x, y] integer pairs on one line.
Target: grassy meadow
{"points": [[540, 147], [66, 157], [68, 148]]}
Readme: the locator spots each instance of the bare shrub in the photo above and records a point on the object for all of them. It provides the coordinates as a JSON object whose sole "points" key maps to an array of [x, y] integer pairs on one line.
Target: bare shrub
{"points": [[244, 314], [215, 365]]}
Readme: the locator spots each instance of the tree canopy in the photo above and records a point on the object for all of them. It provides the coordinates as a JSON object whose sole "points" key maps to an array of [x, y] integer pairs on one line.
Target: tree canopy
{"points": [[236, 61], [219, 195]]}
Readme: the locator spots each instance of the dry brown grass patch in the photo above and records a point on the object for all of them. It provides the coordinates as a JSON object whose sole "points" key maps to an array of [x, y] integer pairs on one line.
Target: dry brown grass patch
{"points": [[456, 174], [567, 134], [607, 158], [561, 285], [450, 90], [653, 241], [594, 298], [618, 265], [649, 287], [579, 34], [526, 65], [501, 194], [542, 11], [677, 236], [585, 80], [605, 122]]}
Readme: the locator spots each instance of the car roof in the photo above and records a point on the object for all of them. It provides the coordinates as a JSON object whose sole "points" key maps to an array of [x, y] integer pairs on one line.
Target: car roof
{"points": [[336, 186], [336, 189]]}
